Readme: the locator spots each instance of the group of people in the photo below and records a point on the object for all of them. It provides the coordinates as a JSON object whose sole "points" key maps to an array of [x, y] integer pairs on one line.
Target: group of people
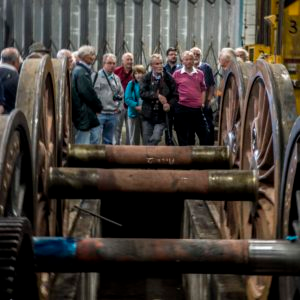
{"points": [[174, 96], [151, 104]]}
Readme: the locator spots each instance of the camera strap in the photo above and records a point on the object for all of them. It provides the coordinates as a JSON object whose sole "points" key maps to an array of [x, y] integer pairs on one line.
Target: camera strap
{"points": [[108, 81]]}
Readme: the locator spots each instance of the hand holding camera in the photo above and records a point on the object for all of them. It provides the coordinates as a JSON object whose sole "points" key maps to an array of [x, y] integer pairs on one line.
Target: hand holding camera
{"points": [[116, 97]]}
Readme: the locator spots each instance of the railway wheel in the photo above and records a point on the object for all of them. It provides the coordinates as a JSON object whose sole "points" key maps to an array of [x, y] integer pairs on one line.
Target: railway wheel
{"points": [[64, 128], [36, 98], [16, 187], [289, 208], [64, 108], [232, 103], [267, 119]]}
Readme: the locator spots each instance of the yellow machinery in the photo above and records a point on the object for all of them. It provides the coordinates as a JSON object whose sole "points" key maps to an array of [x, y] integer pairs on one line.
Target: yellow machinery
{"points": [[291, 45], [284, 40]]}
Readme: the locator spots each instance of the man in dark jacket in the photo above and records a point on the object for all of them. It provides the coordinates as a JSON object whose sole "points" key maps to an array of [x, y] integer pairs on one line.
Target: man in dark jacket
{"points": [[159, 93], [9, 78], [85, 103]]}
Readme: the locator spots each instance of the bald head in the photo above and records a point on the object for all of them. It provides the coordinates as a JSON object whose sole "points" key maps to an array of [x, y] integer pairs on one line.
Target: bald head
{"points": [[11, 56]]}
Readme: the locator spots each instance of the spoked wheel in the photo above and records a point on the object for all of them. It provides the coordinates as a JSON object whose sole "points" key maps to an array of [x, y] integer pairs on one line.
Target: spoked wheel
{"points": [[269, 114], [289, 208], [231, 107], [36, 98], [229, 135], [17, 275], [16, 187], [64, 108]]}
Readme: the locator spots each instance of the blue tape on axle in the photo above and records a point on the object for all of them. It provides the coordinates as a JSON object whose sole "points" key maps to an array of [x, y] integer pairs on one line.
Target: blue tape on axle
{"points": [[55, 247]]}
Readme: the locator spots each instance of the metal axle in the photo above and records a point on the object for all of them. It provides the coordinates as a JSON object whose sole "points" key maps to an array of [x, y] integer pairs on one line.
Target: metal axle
{"points": [[175, 157], [77, 183], [166, 256]]}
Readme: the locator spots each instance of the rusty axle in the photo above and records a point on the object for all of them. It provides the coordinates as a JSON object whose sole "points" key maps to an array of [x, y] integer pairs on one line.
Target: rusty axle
{"points": [[77, 183], [122, 156], [166, 256]]}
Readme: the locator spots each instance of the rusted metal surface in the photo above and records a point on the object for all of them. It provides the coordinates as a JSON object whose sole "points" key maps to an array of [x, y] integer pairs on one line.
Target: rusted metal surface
{"points": [[288, 218], [270, 111], [232, 105], [198, 224], [122, 156], [36, 98], [16, 187], [159, 256], [78, 285], [94, 183]]}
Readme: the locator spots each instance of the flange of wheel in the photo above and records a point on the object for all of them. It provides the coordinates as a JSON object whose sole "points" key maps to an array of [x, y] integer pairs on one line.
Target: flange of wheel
{"points": [[16, 184], [64, 126], [36, 98], [268, 116], [289, 208], [64, 108], [17, 274], [232, 102]]}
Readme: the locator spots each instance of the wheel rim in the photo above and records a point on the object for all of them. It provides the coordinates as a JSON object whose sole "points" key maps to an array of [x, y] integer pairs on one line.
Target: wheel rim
{"points": [[265, 130], [229, 135], [289, 208], [64, 109], [36, 98], [16, 187]]}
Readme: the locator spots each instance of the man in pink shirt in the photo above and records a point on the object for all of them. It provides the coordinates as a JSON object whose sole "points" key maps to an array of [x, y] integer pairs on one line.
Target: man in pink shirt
{"points": [[189, 118]]}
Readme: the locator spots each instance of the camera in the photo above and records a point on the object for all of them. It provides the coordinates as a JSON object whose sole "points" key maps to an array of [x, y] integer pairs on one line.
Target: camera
{"points": [[116, 97]]}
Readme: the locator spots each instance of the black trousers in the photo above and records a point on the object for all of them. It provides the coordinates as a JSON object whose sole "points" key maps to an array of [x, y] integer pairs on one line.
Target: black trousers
{"points": [[188, 122]]}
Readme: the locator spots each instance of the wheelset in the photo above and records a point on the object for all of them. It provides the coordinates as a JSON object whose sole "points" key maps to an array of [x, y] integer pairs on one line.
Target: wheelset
{"points": [[268, 116]]}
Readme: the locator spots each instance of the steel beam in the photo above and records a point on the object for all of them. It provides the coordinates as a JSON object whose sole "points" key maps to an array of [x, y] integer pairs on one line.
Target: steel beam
{"points": [[101, 25], [166, 256], [27, 29], [64, 24], [138, 31], [177, 157], [120, 29], [155, 24], [8, 17], [46, 23], [173, 29], [84, 22], [73, 183]]}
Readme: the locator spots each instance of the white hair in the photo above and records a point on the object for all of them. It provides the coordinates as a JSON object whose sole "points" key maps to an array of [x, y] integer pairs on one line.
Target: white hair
{"points": [[86, 50]]}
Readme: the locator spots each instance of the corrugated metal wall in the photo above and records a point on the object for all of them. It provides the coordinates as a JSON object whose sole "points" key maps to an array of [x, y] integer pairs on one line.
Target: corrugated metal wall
{"points": [[118, 26]]}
